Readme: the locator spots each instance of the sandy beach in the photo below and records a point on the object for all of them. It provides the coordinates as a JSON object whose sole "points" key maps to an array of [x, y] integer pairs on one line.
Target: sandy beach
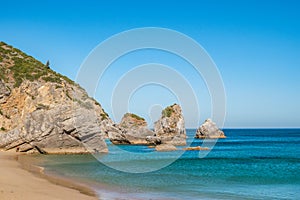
{"points": [[18, 184]]}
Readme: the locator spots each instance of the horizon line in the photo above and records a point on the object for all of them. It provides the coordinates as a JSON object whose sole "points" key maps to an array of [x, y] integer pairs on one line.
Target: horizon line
{"points": [[252, 128]]}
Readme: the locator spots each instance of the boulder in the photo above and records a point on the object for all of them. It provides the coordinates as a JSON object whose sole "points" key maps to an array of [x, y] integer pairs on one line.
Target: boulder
{"points": [[115, 135], [153, 140], [209, 130]]}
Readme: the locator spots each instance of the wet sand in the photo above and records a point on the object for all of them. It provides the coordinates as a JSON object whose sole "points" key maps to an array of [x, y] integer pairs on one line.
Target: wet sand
{"points": [[16, 183]]}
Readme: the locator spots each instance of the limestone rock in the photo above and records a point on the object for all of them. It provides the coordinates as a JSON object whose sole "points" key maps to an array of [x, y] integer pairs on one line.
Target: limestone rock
{"points": [[210, 130], [170, 127]]}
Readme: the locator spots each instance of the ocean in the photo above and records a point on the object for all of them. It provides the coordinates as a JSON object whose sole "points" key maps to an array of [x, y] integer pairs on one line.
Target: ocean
{"points": [[248, 164]]}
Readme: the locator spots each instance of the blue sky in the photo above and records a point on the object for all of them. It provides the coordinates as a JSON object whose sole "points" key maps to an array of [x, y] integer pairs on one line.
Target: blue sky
{"points": [[255, 45]]}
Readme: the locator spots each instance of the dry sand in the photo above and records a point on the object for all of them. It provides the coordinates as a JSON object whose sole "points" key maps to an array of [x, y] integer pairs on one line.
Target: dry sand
{"points": [[19, 184]]}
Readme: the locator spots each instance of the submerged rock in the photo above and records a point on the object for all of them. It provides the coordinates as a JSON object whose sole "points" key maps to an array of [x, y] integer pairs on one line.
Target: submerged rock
{"points": [[170, 127], [209, 129], [165, 147], [197, 148]]}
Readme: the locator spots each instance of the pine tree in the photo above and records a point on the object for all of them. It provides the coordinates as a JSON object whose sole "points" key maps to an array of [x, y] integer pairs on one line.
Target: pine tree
{"points": [[48, 64]]}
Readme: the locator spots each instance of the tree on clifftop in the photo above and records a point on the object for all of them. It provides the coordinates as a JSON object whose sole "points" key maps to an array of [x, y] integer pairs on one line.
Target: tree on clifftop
{"points": [[47, 64]]}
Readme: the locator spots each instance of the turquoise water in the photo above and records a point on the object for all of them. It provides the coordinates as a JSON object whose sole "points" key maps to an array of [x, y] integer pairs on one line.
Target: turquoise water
{"points": [[248, 164]]}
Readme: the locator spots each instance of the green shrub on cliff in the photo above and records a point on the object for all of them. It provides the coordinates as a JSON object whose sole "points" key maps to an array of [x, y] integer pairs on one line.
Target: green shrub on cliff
{"points": [[136, 116], [167, 112], [104, 116]]}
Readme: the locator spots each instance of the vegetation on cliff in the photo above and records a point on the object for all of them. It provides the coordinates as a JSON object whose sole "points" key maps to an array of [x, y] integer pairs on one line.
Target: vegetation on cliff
{"points": [[16, 66], [167, 112], [136, 116]]}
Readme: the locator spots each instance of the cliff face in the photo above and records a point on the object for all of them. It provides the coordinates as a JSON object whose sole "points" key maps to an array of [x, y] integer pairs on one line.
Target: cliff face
{"points": [[41, 110], [209, 129]]}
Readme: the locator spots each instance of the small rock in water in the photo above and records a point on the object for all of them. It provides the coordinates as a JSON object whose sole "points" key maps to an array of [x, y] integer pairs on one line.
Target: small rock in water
{"points": [[165, 147], [198, 148], [209, 130]]}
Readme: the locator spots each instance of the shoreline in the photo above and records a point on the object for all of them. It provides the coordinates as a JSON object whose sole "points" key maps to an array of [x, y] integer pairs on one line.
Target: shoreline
{"points": [[21, 179]]}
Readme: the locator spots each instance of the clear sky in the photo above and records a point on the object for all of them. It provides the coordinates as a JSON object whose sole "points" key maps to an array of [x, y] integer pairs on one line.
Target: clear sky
{"points": [[255, 44]]}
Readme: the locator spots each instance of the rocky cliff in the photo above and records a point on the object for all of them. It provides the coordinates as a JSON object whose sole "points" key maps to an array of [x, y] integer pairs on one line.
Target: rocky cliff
{"points": [[170, 128], [209, 129], [43, 111]]}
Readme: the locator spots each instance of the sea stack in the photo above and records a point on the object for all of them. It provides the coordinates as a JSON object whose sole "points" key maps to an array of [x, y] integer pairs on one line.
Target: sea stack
{"points": [[209, 130], [131, 130], [170, 128]]}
